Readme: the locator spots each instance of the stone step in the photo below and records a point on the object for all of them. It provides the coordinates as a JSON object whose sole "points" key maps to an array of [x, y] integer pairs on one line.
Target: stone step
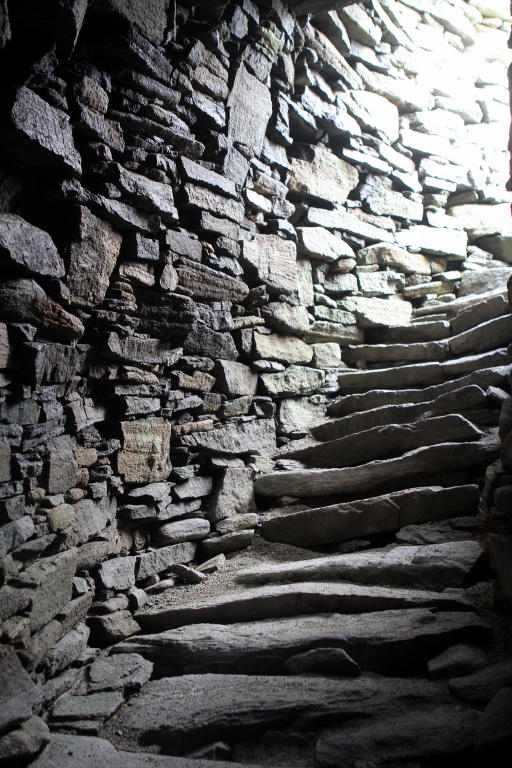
{"points": [[486, 336], [380, 514], [386, 441], [469, 363], [379, 353], [396, 378], [420, 374], [271, 602], [410, 334], [431, 566], [457, 401], [183, 713], [66, 751], [375, 398], [441, 458], [451, 308], [434, 733], [382, 641], [479, 313]]}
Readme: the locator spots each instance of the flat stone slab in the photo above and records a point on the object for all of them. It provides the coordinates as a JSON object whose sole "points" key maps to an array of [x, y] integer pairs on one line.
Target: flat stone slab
{"points": [[444, 457], [383, 641], [376, 398], [398, 378], [182, 713], [385, 441], [357, 519], [479, 687], [464, 398], [294, 600], [71, 751], [432, 566], [418, 734]]}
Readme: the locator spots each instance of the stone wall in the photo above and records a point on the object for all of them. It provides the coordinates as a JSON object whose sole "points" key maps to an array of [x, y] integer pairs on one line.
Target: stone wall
{"points": [[205, 211]]}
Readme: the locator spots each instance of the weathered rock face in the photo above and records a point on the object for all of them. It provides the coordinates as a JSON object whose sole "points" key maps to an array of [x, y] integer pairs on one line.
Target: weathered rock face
{"points": [[216, 218]]}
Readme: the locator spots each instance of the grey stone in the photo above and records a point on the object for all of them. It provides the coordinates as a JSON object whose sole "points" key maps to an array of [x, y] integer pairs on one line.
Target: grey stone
{"points": [[229, 542], [456, 661], [67, 650], [383, 641], [62, 468], [94, 706], [489, 335], [235, 379], [443, 457], [270, 602], [43, 134], [28, 248], [93, 256], [286, 318], [273, 261], [283, 349], [298, 414], [67, 751], [389, 440], [18, 696], [160, 560], [493, 733], [296, 380], [233, 495], [328, 660], [118, 573], [322, 175], [319, 243], [432, 566], [107, 630], [351, 520], [434, 240], [24, 742], [347, 222], [51, 578], [144, 457], [246, 437], [23, 300], [479, 687], [123, 672], [182, 530], [194, 487], [202, 282], [250, 107], [426, 733], [203, 341]]}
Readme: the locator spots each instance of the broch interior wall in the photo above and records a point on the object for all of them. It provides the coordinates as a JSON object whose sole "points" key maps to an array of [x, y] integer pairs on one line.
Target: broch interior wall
{"points": [[207, 210]]}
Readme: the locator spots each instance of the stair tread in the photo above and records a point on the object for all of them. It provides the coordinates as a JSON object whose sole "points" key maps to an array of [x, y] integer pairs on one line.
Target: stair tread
{"points": [[356, 519], [265, 602], [435, 566]]}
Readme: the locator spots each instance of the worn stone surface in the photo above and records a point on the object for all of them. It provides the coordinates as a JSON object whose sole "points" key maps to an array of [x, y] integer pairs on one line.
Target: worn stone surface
{"points": [[246, 437], [44, 133], [292, 600], [273, 261], [350, 520], [19, 696], [92, 259], [321, 174], [356, 480], [145, 455], [256, 646], [432, 566], [28, 248]]}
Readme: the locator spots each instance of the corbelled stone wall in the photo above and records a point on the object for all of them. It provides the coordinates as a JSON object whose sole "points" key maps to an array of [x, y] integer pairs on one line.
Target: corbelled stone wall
{"points": [[206, 210]]}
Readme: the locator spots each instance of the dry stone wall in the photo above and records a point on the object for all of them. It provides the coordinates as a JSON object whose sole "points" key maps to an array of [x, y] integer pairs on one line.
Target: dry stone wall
{"points": [[206, 211]]}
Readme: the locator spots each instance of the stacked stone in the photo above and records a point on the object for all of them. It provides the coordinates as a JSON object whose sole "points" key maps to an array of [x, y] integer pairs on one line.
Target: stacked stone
{"points": [[199, 219]]}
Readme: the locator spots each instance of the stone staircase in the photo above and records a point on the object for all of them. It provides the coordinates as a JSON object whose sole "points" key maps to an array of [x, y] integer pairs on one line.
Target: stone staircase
{"points": [[358, 631]]}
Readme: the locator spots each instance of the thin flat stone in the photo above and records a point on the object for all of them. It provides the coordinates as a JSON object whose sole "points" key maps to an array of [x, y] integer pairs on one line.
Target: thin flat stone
{"points": [[432, 566], [295, 599]]}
